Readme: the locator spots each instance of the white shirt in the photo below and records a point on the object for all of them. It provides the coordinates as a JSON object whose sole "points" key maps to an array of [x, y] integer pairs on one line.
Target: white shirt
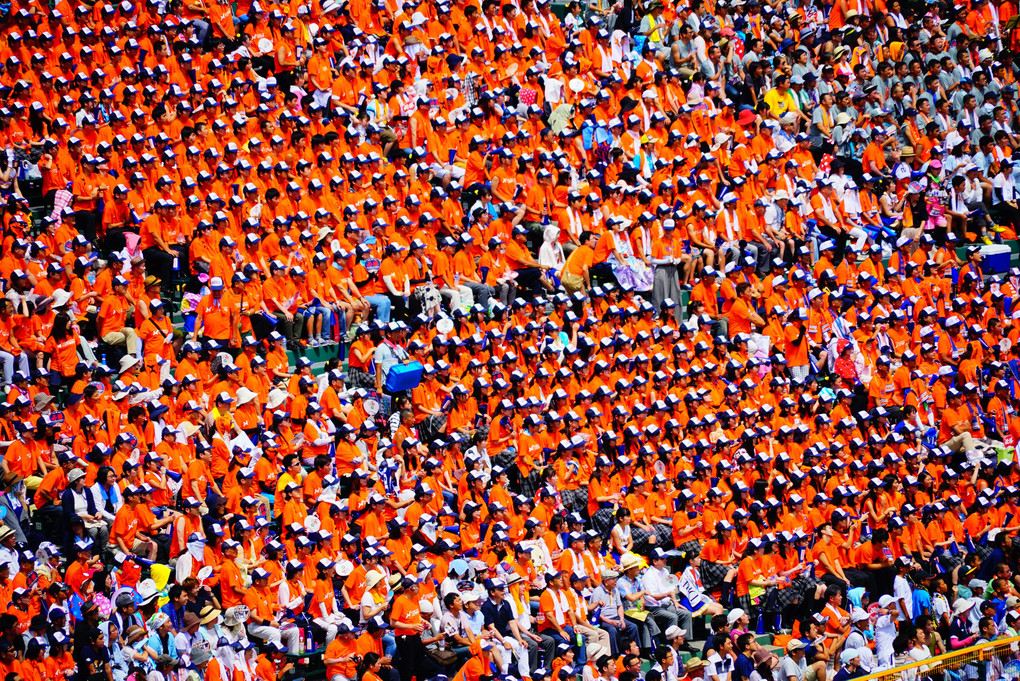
{"points": [[885, 632], [857, 641], [81, 503], [774, 217], [523, 617], [721, 668], [903, 592], [656, 581], [673, 673], [455, 624], [939, 606], [366, 601], [788, 668], [1005, 186], [838, 185], [287, 599], [11, 558]]}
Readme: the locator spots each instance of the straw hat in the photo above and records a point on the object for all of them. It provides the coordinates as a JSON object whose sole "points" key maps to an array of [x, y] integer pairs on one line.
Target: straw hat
{"points": [[631, 561], [208, 615], [372, 579]]}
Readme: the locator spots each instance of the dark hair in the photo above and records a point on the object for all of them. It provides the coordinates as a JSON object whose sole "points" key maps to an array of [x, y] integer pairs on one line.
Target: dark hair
{"points": [[367, 663], [61, 324]]}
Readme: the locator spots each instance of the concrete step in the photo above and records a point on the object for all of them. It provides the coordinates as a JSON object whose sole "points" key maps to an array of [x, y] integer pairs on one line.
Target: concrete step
{"points": [[319, 355]]}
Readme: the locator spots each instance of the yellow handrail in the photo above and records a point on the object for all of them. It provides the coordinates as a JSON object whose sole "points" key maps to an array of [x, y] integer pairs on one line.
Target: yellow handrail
{"points": [[955, 659]]}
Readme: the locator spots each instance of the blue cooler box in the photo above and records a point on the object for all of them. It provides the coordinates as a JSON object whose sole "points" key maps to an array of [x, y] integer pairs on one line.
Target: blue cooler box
{"points": [[403, 377], [995, 259]]}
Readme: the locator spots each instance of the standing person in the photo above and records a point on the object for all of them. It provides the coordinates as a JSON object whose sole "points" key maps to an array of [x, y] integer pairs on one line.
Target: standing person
{"points": [[395, 280], [885, 630], [412, 661], [667, 254]]}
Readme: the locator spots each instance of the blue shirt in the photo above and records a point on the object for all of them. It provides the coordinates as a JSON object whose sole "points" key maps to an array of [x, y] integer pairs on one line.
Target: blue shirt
{"points": [[743, 667], [176, 616], [922, 602], [627, 587]]}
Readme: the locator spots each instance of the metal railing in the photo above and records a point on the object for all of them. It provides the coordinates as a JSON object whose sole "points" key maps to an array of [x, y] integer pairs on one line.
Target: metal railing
{"points": [[999, 659]]}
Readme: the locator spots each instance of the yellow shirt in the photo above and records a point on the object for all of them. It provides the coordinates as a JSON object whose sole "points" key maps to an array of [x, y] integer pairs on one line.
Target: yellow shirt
{"points": [[281, 483], [780, 104]]}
